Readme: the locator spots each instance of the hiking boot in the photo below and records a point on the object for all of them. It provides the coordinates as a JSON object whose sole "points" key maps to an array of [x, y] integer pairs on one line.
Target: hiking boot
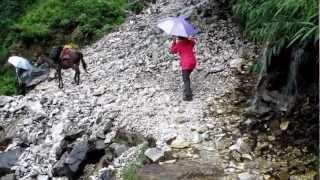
{"points": [[187, 98]]}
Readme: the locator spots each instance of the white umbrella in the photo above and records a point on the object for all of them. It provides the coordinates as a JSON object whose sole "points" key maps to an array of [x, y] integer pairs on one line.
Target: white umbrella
{"points": [[20, 62], [176, 26]]}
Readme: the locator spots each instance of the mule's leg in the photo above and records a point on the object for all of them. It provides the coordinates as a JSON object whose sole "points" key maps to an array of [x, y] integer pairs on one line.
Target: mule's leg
{"points": [[60, 78], [77, 74]]}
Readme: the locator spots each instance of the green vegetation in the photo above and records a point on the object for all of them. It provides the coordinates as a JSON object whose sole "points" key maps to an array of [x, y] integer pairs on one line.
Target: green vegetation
{"points": [[278, 24], [7, 79], [130, 172], [28, 26]]}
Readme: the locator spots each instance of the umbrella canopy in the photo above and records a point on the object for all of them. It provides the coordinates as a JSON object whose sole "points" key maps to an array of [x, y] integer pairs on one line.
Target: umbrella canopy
{"points": [[20, 62], [176, 26]]}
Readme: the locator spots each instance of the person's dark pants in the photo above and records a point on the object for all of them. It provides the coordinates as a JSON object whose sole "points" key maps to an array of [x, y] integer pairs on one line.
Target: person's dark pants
{"points": [[187, 92], [20, 86]]}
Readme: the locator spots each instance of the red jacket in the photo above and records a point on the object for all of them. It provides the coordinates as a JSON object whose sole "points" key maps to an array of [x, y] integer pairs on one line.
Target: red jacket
{"points": [[184, 49]]}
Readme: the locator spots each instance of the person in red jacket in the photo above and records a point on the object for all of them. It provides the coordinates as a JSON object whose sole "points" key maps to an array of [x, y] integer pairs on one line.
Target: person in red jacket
{"points": [[184, 48]]}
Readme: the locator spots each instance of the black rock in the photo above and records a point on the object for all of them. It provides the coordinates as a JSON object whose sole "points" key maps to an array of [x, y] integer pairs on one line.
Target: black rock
{"points": [[71, 164]]}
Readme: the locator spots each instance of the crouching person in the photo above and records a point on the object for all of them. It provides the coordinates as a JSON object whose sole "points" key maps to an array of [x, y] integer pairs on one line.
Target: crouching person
{"points": [[20, 85]]}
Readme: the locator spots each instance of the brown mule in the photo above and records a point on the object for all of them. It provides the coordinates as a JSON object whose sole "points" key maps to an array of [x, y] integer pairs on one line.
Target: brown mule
{"points": [[73, 61]]}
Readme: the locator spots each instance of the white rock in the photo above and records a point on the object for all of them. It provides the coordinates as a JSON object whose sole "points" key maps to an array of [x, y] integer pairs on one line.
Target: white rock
{"points": [[240, 146], [110, 136], [247, 176], [100, 91], [196, 138], [42, 177], [36, 107], [154, 154]]}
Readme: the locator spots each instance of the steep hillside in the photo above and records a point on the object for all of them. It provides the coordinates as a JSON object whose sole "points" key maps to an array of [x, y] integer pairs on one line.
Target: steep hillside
{"points": [[132, 98]]}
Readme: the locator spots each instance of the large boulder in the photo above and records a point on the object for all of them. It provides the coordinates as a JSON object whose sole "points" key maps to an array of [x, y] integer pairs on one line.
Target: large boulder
{"points": [[9, 159], [70, 164], [183, 170]]}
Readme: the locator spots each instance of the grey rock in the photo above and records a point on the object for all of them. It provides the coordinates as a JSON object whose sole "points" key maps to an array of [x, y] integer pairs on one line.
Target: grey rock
{"points": [[187, 168], [9, 159], [118, 149], [154, 154], [5, 100], [77, 156], [100, 144], [107, 175]]}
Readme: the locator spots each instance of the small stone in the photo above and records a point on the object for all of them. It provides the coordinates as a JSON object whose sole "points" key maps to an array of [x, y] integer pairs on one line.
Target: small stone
{"points": [[220, 111], [154, 154], [100, 91], [271, 138], [168, 162], [247, 176], [284, 125], [246, 156], [210, 126], [202, 129], [240, 146], [180, 143], [181, 120]]}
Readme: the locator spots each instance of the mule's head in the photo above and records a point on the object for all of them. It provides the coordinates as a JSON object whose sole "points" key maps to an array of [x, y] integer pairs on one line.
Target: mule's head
{"points": [[40, 59], [55, 53]]}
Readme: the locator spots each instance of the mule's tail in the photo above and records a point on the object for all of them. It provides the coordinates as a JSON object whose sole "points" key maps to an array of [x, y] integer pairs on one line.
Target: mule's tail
{"points": [[84, 65]]}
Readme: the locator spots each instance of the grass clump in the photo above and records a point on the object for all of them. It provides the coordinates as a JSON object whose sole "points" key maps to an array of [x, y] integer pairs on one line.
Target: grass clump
{"points": [[131, 170]]}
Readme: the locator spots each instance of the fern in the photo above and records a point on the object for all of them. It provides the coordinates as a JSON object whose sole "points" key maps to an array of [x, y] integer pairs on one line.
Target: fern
{"points": [[278, 23]]}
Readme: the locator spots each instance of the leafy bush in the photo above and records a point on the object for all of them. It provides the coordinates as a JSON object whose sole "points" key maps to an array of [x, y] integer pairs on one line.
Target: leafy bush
{"points": [[85, 16], [7, 82], [278, 23]]}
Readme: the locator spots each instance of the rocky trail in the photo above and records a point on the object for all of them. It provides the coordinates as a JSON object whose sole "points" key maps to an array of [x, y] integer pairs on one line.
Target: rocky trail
{"points": [[133, 94]]}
